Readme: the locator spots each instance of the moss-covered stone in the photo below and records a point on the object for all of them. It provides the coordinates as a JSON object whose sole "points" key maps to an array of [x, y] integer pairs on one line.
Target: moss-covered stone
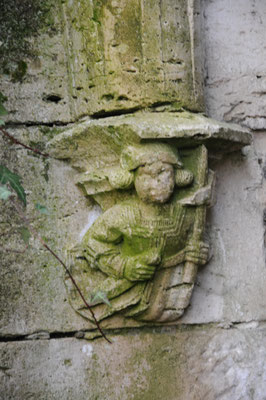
{"points": [[20, 71], [33, 68], [31, 280], [97, 57], [160, 364], [91, 140], [21, 21], [132, 54]]}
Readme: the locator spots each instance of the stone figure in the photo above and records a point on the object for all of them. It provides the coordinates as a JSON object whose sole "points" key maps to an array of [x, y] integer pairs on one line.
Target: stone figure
{"points": [[136, 239], [149, 174]]}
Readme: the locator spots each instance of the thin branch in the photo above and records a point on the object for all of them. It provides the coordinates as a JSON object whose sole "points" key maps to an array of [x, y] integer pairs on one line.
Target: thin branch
{"points": [[45, 245], [16, 141], [76, 286]]}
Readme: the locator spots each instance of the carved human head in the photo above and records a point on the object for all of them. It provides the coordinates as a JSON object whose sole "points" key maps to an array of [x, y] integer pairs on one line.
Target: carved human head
{"points": [[155, 182], [156, 169]]}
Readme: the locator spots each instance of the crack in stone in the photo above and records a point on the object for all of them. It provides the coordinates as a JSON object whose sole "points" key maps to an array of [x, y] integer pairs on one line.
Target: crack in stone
{"points": [[42, 335], [28, 124], [113, 113], [161, 44], [96, 116], [45, 335]]}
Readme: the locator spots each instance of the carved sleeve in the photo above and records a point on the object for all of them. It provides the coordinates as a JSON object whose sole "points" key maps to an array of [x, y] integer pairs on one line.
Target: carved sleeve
{"points": [[102, 243]]}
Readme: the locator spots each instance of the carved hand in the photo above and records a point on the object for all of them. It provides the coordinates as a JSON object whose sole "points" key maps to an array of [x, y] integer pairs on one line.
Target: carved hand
{"points": [[74, 253], [142, 267], [197, 252]]}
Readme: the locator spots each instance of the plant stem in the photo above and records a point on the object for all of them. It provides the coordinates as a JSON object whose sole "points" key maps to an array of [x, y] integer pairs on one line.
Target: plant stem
{"points": [[16, 141], [45, 245], [76, 286]]}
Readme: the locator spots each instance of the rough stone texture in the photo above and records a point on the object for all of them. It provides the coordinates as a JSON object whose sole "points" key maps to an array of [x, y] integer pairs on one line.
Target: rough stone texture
{"points": [[95, 57], [133, 53], [232, 286], [40, 93], [35, 283], [235, 61], [88, 140], [185, 363], [32, 279], [192, 364]]}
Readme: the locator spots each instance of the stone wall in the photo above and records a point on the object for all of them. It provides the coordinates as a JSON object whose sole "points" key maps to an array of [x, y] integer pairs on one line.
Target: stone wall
{"points": [[217, 350]]}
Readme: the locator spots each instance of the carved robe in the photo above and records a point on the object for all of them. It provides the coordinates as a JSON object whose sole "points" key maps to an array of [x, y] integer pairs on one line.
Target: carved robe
{"points": [[136, 232]]}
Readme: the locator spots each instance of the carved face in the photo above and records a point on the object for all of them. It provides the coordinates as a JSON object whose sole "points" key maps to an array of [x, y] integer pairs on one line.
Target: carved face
{"points": [[155, 182]]}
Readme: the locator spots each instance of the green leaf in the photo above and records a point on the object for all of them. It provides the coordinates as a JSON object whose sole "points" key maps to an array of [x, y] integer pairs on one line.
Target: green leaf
{"points": [[2, 122], [4, 193], [100, 297], [25, 234], [3, 111], [6, 176], [41, 209], [3, 98]]}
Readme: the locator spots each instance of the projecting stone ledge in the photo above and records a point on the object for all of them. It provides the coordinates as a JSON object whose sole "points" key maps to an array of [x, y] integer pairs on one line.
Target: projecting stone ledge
{"points": [[186, 129]]}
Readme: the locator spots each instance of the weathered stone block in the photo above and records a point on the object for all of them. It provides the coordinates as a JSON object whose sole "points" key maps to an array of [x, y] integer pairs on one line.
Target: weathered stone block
{"points": [[31, 287], [33, 293], [122, 239], [197, 363], [34, 72], [88, 57], [132, 54], [235, 62], [232, 286]]}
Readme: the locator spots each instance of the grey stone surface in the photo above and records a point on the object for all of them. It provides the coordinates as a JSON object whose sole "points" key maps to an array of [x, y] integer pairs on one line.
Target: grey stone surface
{"points": [[185, 129], [235, 61], [191, 364], [31, 287], [92, 57], [41, 93], [232, 286], [133, 53], [33, 293]]}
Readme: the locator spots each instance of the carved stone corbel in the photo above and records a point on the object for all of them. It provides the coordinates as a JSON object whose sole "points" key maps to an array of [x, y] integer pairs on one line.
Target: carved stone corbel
{"points": [[149, 174]]}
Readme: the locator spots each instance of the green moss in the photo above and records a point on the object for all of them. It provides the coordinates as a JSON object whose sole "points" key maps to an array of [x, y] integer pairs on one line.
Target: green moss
{"points": [[20, 71], [50, 132], [37, 145], [3, 98], [45, 172], [97, 12], [20, 21]]}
